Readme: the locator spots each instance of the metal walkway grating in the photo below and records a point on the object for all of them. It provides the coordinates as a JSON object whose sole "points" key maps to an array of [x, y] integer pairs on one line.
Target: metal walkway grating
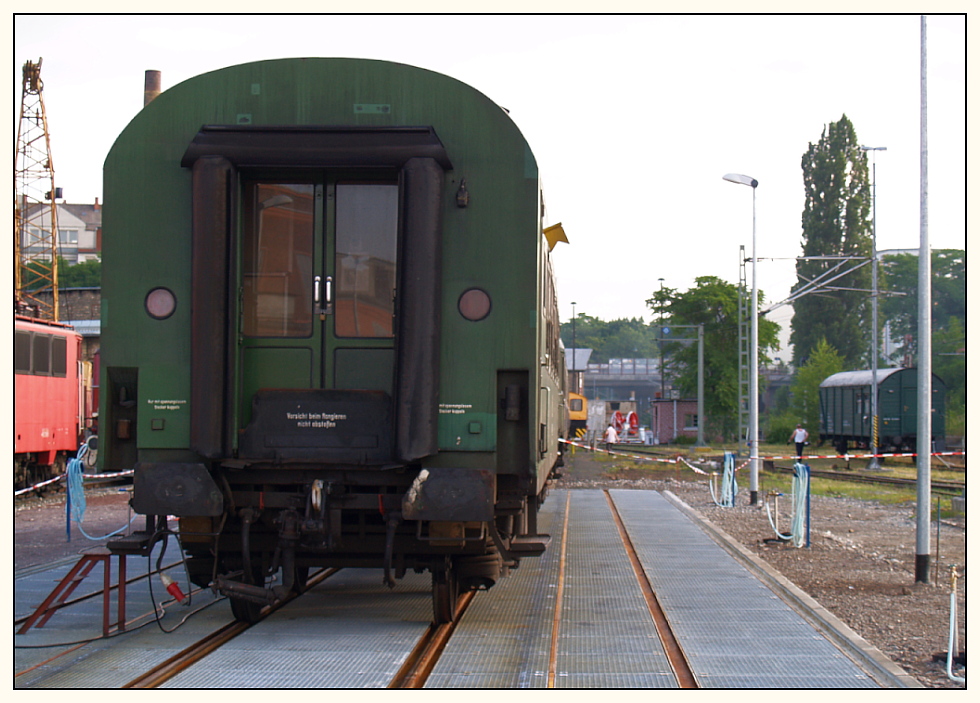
{"points": [[321, 641], [735, 631], [504, 640], [606, 638]]}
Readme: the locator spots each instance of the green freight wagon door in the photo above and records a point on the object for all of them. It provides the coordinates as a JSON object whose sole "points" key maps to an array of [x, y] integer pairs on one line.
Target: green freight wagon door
{"points": [[316, 323], [910, 409]]}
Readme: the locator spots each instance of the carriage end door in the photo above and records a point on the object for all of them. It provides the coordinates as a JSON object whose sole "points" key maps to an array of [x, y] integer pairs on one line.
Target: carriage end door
{"points": [[316, 322]]}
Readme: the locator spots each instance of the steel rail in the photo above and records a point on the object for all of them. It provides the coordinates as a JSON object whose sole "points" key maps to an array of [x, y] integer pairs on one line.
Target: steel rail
{"points": [[939, 485], [414, 672], [675, 653], [559, 597]]}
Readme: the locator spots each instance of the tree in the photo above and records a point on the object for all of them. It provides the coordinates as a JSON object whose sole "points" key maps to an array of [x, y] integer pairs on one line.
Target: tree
{"points": [[712, 303], [804, 405], [87, 274], [836, 223], [617, 339], [824, 361], [900, 273]]}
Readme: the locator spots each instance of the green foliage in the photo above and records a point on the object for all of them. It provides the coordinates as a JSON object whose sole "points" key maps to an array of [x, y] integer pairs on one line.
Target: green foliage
{"points": [[84, 275], [824, 361], [33, 275], [949, 363], [836, 222], [804, 391], [780, 426], [900, 273], [714, 304], [618, 339]]}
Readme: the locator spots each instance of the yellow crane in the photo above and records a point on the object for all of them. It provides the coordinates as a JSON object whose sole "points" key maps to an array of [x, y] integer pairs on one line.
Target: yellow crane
{"points": [[35, 211]]}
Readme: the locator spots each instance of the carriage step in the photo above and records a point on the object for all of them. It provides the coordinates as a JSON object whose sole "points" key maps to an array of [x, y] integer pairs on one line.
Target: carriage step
{"points": [[248, 592], [136, 543], [529, 545]]}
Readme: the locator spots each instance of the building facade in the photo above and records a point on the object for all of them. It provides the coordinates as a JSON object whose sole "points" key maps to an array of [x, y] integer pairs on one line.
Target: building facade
{"points": [[79, 231]]}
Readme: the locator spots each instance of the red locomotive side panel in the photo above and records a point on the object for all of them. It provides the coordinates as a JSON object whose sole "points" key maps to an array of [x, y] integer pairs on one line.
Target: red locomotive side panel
{"points": [[46, 392]]}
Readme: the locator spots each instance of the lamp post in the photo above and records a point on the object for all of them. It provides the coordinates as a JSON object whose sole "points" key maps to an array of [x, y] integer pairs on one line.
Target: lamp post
{"points": [[660, 337], [753, 354], [574, 377], [874, 463]]}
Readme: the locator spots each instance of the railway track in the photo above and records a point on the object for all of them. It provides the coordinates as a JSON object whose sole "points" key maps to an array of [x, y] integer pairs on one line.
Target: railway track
{"points": [[411, 675], [950, 487], [591, 614], [675, 654], [166, 670], [420, 662]]}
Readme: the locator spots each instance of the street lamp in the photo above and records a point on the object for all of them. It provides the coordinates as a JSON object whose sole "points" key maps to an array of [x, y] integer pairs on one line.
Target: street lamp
{"points": [[574, 377], [874, 463], [660, 338], [753, 354]]}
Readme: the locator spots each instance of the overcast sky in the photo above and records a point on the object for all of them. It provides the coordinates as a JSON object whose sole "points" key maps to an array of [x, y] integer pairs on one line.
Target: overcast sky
{"points": [[633, 120]]}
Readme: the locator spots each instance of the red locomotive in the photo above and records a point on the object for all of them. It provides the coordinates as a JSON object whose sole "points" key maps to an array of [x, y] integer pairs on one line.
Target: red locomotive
{"points": [[49, 397]]}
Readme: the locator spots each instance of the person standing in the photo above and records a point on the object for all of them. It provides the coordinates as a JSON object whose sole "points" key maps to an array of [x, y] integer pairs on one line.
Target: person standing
{"points": [[611, 437], [799, 436]]}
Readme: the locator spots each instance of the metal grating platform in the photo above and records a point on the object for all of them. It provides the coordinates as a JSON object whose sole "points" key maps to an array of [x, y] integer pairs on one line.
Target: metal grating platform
{"points": [[735, 631], [606, 633], [606, 638], [105, 663], [352, 632], [504, 640], [322, 641]]}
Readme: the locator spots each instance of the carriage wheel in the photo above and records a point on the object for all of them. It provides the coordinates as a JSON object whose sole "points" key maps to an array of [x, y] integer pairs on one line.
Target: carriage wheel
{"points": [[445, 592]]}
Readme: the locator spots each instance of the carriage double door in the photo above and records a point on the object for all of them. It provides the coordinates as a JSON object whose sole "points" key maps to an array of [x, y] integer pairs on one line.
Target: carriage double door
{"points": [[318, 271]]}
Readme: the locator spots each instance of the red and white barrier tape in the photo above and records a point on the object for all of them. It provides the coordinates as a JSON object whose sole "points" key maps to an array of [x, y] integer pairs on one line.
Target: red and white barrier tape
{"points": [[50, 481], [680, 459]]}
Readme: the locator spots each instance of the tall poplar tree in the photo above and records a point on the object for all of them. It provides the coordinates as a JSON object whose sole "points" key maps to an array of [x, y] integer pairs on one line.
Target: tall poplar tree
{"points": [[836, 223]]}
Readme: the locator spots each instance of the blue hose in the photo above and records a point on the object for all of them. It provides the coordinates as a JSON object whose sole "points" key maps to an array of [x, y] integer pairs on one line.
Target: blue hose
{"points": [[729, 488], [798, 522], [76, 495]]}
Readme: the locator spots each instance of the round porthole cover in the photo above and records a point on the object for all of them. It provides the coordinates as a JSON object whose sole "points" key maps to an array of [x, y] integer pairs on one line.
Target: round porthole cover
{"points": [[474, 304], [160, 303]]}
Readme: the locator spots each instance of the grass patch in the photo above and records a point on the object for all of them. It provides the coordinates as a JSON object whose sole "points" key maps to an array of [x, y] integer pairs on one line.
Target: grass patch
{"points": [[886, 495], [902, 467]]}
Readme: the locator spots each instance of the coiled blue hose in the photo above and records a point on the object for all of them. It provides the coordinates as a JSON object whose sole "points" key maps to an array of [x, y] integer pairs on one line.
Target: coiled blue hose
{"points": [[801, 489], [729, 488], [76, 495]]}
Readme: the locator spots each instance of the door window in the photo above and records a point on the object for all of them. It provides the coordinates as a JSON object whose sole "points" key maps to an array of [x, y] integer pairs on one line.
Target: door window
{"points": [[366, 252], [277, 285]]}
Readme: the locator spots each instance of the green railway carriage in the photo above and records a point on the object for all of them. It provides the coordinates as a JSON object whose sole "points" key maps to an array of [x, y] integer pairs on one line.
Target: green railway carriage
{"points": [[330, 332], [845, 409]]}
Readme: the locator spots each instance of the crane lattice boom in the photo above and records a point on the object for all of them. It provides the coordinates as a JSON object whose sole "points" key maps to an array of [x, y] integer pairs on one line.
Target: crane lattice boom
{"points": [[35, 211]]}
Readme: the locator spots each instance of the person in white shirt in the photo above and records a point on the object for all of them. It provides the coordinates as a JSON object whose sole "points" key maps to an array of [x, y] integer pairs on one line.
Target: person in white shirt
{"points": [[799, 436], [611, 437]]}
